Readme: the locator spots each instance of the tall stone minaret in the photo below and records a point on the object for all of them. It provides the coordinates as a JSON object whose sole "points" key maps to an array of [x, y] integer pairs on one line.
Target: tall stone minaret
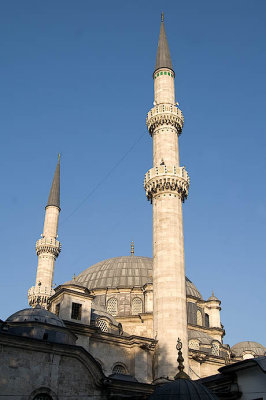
{"points": [[48, 247], [166, 186]]}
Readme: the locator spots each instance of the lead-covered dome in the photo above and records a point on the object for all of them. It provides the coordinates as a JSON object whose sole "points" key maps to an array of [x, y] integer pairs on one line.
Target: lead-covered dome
{"points": [[248, 347], [38, 323], [183, 389], [124, 272], [37, 314]]}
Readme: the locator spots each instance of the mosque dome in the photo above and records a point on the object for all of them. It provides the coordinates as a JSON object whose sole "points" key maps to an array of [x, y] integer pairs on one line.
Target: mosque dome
{"points": [[248, 348], [127, 271], [182, 389], [38, 323], [37, 314]]}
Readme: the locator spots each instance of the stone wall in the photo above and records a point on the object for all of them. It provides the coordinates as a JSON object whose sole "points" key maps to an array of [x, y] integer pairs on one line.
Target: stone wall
{"points": [[31, 366]]}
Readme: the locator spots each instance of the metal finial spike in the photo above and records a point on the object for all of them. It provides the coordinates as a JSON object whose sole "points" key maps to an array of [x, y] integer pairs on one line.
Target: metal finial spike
{"points": [[212, 293], [74, 277], [179, 344], [162, 16], [181, 374], [132, 248], [59, 155]]}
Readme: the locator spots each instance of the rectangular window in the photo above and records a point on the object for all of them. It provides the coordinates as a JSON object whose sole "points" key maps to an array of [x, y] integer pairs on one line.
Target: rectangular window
{"points": [[57, 309], [76, 311]]}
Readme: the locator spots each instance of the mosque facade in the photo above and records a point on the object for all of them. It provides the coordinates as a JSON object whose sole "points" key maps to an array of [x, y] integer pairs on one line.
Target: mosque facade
{"points": [[113, 329]]}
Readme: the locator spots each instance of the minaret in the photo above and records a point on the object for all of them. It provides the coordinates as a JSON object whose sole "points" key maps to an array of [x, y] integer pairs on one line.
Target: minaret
{"points": [[166, 186], [48, 247]]}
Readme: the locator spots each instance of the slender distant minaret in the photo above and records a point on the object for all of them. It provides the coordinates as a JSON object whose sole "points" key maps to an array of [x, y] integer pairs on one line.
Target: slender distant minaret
{"points": [[48, 247], [166, 186]]}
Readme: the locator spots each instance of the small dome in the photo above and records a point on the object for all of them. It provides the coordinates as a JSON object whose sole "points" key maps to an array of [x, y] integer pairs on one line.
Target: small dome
{"points": [[182, 389], [37, 314], [203, 337], [126, 272], [38, 323], [253, 347], [213, 298]]}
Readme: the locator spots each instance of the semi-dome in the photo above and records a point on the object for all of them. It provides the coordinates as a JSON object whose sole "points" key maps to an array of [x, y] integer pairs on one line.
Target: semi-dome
{"points": [[254, 348], [125, 271], [37, 314]]}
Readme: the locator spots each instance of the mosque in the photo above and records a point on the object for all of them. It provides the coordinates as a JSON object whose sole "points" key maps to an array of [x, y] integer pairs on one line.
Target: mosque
{"points": [[113, 329]]}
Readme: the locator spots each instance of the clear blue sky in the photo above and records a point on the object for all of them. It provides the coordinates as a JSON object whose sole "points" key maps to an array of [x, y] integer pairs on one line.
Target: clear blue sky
{"points": [[76, 77]]}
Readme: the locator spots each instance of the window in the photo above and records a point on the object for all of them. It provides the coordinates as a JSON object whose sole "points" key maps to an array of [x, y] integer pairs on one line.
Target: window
{"points": [[193, 344], [112, 306], [246, 356], [207, 320], [119, 369], [136, 306], [76, 311], [42, 396], [215, 349], [57, 309], [102, 324], [199, 318]]}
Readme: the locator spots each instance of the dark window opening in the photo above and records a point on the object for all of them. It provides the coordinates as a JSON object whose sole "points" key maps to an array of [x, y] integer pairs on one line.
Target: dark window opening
{"points": [[207, 320], [57, 309], [45, 336], [43, 396], [76, 311]]}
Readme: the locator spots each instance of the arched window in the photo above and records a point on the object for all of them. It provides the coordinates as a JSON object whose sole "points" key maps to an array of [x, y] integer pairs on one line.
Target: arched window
{"points": [[215, 349], [102, 324], [199, 318], [193, 344], [42, 396], [119, 369], [136, 306], [246, 356], [112, 306], [207, 320]]}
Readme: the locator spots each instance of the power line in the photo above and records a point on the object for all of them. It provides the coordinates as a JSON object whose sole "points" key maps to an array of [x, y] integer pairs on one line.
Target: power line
{"points": [[103, 179]]}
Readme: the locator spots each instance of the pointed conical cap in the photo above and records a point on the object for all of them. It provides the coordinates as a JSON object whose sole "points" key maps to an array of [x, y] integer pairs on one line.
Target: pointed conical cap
{"points": [[163, 58], [54, 196]]}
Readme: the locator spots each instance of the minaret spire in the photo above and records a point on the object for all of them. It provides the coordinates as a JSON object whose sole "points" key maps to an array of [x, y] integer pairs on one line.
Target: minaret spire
{"points": [[163, 58], [48, 247], [166, 186], [54, 195]]}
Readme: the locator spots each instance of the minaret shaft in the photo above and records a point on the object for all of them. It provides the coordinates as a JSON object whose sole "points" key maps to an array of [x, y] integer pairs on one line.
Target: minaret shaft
{"points": [[51, 221], [164, 87], [166, 186], [169, 291], [165, 146]]}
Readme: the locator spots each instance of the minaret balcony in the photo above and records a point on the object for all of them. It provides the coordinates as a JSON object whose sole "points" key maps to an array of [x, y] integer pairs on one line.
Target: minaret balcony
{"points": [[48, 245], [165, 114], [39, 295], [164, 179]]}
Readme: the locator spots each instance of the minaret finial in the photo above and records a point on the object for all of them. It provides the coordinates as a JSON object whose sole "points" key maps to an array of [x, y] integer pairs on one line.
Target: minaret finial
{"points": [[162, 17], [181, 374], [74, 277], [132, 248], [212, 294], [59, 155]]}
